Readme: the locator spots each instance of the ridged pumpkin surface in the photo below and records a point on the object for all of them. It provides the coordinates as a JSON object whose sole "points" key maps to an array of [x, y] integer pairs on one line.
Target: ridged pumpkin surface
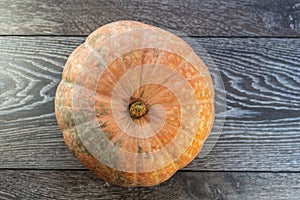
{"points": [[135, 103]]}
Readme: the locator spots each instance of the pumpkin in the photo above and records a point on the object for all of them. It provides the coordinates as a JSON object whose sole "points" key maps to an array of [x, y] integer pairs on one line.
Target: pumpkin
{"points": [[135, 103]]}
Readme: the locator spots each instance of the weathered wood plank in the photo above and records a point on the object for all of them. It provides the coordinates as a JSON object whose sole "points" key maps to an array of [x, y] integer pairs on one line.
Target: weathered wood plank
{"points": [[53, 184], [186, 17], [262, 80]]}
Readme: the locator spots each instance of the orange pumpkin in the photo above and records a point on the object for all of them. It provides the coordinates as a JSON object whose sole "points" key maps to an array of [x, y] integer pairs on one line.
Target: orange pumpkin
{"points": [[135, 103]]}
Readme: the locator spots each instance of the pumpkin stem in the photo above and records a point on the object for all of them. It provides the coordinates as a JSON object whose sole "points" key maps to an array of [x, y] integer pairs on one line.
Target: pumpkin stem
{"points": [[137, 109]]}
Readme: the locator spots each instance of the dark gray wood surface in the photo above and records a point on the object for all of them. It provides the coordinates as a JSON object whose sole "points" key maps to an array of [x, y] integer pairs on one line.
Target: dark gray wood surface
{"points": [[262, 81], [254, 43], [184, 185], [278, 18]]}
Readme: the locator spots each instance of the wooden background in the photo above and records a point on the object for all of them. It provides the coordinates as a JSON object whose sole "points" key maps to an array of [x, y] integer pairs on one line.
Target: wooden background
{"points": [[256, 46]]}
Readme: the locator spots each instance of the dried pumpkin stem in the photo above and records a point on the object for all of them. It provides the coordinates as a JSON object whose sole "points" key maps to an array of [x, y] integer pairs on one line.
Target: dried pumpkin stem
{"points": [[137, 109]]}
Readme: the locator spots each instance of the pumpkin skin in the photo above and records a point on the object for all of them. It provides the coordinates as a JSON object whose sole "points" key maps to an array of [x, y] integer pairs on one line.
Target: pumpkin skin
{"points": [[135, 103]]}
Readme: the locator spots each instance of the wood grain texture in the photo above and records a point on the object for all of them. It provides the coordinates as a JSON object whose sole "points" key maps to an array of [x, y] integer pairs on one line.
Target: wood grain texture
{"points": [[261, 76], [275, 18], [53, 184]]}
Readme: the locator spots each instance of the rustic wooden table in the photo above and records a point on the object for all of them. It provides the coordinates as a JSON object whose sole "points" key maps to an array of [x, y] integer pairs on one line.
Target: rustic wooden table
{"points": [[254, 43]]}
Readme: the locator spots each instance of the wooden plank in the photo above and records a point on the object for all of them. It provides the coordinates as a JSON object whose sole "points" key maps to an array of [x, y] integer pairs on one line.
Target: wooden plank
{"points": [[275, 18], [262, 80], [20, 184]]}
